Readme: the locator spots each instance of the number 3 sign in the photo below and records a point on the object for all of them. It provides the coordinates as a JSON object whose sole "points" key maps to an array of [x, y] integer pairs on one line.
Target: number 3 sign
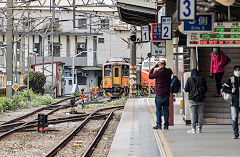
{"points": [[186, 10]]}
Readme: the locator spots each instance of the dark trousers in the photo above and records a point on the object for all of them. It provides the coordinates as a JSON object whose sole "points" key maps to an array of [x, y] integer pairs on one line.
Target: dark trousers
{"points": [[162, 102], [234, 115], [218, 78]]}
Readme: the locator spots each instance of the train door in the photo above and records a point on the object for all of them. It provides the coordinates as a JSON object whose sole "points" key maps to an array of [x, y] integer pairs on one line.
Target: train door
{"points": [[116, 75]]}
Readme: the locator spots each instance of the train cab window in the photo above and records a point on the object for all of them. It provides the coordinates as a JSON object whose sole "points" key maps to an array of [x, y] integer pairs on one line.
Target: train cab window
{"points": [[146, 64], [69, 82], [116, 72], [107, 71], [125, 70]]}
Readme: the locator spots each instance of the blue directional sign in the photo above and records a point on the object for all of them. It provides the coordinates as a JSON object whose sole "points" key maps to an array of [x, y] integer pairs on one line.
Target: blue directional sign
{"points": [[203, 23], [15, 79], [156, 32]]}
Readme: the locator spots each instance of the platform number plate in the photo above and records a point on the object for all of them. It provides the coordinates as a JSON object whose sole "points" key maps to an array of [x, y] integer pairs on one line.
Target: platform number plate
{"points": [[166, 28], [145, 33], [186, 10]]}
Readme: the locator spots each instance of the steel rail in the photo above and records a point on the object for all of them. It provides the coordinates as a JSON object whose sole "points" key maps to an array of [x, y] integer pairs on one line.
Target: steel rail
{"points": [[28, 123], [68, 138], [100, 133], [55, 104], [57, 121]]}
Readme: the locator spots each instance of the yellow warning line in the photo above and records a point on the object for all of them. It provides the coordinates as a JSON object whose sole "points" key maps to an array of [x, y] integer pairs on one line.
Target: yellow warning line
{"points": [[163, 145]]}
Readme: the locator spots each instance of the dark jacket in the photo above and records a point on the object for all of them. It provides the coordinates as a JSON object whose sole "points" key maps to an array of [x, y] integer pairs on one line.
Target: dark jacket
{"points": [[228, 89], [191, 85], [163, 81]]}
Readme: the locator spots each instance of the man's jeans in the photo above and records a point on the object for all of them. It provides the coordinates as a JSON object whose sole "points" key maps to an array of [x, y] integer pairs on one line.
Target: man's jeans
{"points": [[197, 113], [162, 102], [234, 115]]}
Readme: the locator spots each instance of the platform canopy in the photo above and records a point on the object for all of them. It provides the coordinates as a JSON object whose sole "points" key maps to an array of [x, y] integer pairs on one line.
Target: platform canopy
{"points": [[136, 12]]}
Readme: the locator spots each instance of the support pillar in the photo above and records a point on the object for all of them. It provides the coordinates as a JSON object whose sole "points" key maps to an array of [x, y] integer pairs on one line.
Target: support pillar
{"points": [[193, 58], [9, 54], [133, 68]]}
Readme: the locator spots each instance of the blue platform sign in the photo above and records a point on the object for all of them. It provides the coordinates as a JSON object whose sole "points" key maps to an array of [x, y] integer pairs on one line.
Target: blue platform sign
{"points": [[156, 32], [203, 23]]}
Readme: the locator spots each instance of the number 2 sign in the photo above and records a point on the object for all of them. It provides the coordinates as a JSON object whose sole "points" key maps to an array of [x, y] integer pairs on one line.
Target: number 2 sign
{"points": [[166, 28], [186, 10]]}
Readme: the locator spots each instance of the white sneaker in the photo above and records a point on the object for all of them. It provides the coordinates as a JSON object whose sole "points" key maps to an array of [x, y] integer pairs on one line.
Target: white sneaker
{"points": [[199, 130], [192, 131]]}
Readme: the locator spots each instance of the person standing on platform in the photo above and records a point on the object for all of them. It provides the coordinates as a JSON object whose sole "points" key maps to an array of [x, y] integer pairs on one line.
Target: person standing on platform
{"points": [[218, 59], [232, 86], [197, 87], [162, 91]]}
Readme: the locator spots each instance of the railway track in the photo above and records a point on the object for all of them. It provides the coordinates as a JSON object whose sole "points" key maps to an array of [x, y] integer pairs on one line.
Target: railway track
{"points": [[16, 125], [51, 106], [93, 144]]}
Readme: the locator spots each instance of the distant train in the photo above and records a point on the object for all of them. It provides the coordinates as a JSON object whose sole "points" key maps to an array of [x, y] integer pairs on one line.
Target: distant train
{"points": [[116, 77], [145, 75]]}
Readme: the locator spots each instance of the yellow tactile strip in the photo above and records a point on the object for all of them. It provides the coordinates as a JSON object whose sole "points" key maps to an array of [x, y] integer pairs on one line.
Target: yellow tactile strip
{"points": [[163, 145]]}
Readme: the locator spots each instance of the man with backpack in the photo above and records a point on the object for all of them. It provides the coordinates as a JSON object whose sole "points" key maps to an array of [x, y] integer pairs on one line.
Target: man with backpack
{"points": [[162, 91], [197, 87], [232, 86]]}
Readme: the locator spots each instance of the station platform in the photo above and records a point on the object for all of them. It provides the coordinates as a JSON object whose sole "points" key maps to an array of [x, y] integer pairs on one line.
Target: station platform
{"points": [[136, 138]]}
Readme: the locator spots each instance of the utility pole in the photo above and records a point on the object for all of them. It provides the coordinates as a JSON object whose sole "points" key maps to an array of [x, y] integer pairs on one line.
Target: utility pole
{"points": [[53, 23], [28, 55], [133, 72], [9, 55]]}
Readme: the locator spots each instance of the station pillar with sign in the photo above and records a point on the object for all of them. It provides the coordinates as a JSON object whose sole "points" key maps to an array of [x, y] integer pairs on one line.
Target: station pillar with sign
{"points": [[133, 68]]}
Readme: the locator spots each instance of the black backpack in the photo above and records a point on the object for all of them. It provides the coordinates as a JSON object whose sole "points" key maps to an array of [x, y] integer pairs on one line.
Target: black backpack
{"points": [[175, 85], [199, 91]]}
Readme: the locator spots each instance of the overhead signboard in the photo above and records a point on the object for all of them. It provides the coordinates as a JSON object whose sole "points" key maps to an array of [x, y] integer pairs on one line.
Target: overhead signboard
{"points": [[226, 34], [159, 49], [145, 33], [186, 10], [166, 28], [203, 22], [156, 32]]}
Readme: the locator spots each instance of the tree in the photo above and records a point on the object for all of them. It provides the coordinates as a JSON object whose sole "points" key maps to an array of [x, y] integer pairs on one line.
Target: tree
{"points": [[36, 81]]}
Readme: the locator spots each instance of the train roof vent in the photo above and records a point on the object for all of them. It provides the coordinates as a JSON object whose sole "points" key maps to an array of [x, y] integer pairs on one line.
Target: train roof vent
{"points": [[117, 60]]}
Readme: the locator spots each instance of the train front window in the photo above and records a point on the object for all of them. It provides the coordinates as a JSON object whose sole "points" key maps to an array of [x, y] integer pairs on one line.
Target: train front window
{"points": [[146, 64], [107, 71], [125, 70], [116, 72]]}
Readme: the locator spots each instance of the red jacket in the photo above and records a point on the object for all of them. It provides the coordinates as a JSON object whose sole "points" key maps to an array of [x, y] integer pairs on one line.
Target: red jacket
{"points": [[217, 62]]}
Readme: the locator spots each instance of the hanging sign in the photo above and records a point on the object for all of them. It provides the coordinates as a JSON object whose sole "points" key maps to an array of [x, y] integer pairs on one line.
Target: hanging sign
{"points": [[166, 28], [186, 10]]}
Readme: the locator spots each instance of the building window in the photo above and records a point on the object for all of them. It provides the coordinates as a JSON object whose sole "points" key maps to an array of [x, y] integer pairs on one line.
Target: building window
{"points": [[100, 40], [81, 80], [56, 49], [104, 23], [80, 48], [82, 23], [2, 51], [37, 48]]}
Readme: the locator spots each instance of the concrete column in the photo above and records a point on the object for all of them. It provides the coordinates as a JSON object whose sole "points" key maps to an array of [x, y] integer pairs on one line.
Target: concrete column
{"points": [[9, 54], [193, 59], [133, 72]]}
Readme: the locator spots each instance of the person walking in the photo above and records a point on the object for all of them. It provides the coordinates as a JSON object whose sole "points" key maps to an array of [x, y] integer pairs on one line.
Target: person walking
{"points": [[232, 86], [197, 87], [162, 91], [218, 59]]}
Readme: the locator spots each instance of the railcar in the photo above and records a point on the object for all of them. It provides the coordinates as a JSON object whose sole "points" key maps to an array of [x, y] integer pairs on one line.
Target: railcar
{"points": [[115, 74]]}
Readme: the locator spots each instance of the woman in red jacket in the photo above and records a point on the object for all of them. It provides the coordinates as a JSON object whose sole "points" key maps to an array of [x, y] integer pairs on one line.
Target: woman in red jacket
{"points": [[218, 59]]}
